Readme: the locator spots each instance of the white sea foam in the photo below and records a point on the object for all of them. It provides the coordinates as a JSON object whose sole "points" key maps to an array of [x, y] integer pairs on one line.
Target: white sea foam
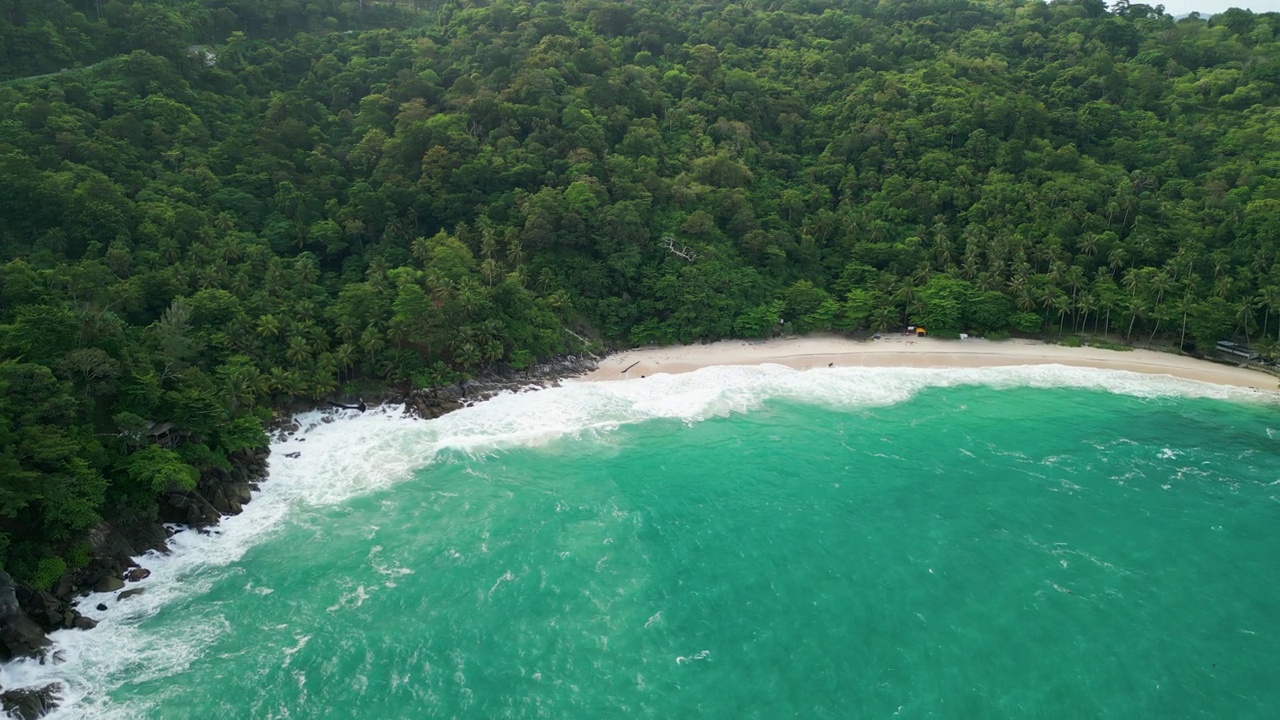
{"points": [[346, 454]]}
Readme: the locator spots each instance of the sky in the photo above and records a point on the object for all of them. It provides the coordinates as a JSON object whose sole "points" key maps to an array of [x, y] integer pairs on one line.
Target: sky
{"points": [[1209, 7]]}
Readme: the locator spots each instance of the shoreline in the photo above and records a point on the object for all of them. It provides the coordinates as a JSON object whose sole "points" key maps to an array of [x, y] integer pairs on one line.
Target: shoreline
{"points": [[820, 351], [798, 353], [122, 547]]}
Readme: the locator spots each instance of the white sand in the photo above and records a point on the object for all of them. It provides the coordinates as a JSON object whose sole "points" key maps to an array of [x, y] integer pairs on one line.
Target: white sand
{"points": [[902, 351]]}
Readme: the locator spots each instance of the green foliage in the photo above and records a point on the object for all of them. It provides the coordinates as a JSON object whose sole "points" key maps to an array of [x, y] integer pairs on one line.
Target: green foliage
{"points": [[191, 236], [242, 433], [160, 470], [43, 574]]}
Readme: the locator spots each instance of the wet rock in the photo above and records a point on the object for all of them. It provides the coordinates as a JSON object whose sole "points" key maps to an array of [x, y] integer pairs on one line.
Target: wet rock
{"points": [[45, 610], [218, 500], [130, 593], [109, 584], [20, 636], [189, 509], [84, 623], [30, 703], [293, 455], [137, 574], [102, 607]]}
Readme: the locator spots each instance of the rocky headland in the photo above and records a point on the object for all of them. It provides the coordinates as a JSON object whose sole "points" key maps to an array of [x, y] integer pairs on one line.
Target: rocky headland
{"points": [[28, 614]]}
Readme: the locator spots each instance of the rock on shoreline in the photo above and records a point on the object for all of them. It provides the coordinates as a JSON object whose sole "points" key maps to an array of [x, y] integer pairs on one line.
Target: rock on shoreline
{"points": [[29, 703], [433, 402]]}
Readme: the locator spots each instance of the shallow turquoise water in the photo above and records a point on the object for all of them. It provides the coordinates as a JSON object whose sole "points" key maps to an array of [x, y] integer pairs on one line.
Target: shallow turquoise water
{"points": [[972, 551]]}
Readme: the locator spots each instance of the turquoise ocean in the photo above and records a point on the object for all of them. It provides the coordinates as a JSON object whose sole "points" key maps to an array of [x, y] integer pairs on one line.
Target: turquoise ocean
{"points": [[752, 542]]}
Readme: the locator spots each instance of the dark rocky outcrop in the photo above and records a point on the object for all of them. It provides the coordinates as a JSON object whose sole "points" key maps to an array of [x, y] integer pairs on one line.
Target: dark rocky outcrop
{"points": [[48, 611], [218, 493], [20, 636], [29, 703], [27, 614], [136, 574], [130, 593], [109, 583], [436, 401]]}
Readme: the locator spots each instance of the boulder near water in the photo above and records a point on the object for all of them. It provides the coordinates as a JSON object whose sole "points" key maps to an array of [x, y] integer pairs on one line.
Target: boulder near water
{"points": [[29, 703], [20, 636]]}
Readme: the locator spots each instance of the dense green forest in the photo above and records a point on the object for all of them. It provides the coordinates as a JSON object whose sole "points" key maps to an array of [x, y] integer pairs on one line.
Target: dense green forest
{"points": [[251, 203]]}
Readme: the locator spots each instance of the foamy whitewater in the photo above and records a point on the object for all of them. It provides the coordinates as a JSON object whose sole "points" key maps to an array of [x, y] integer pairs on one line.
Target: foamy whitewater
{"points": [[677, 544]]}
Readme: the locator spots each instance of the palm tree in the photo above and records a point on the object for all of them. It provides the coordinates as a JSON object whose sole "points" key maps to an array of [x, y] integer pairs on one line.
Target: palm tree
{"points": [[1017, 289], [905, 296], [345, 357], [305, 310], [1116, 259], [489, 268], [1086, 304], [1132, 280], [883, 318], [1137, 307], [225, 221], [1048, 300], [1089, 245], [942, 248], [240, 284], [515, 250], [269, 326], [1062, 304], [307, 269], [1184, 306], [398, 333], [989, 281], [1244, 316], [208, 278], [278, 380], [1269, 298], [347, 329], [1223, 286], [421, 250], [298, 351], [1161, 283], [1074, 279], [488, 241], [372, 341]]}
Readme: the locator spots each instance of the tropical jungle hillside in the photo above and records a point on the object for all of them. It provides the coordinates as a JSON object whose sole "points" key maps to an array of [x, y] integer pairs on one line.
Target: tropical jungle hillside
{"points": [[213, 208]]}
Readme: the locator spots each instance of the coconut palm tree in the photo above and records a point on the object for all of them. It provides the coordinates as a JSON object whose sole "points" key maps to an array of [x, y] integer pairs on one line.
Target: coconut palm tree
{"points": [[345, 357], [1160, 282], [1086, 303], [1184, 306], [1244, 316], [298, 351], [1062, 303], [347, 329], [269, 326], [1137, 307], [1268, 298]]}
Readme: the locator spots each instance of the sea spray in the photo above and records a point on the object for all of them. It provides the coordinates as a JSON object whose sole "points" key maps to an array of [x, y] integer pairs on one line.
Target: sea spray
{"points": [[430, 479]]}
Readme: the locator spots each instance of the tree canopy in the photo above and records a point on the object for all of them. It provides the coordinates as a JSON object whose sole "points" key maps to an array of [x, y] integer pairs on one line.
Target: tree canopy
{"points": [[224, 206]]}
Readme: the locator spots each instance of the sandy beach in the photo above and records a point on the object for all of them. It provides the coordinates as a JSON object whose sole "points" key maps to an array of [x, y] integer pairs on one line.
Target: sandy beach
{"points": [[902, 351]]}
